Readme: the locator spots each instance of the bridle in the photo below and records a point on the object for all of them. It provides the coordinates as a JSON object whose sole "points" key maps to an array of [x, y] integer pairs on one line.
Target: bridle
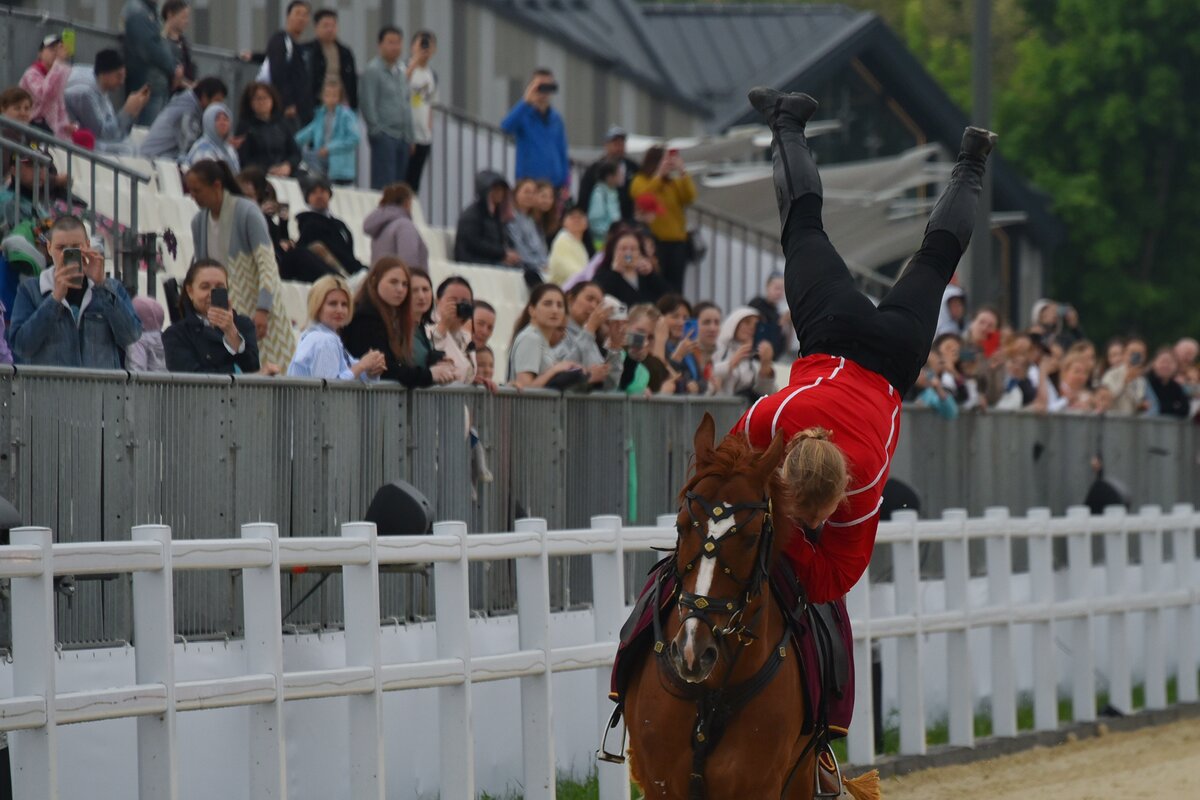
{"points": [[698, 606]]}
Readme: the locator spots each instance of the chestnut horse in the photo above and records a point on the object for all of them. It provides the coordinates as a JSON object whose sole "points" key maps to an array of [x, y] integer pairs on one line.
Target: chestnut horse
{"points": [[720, 713]]}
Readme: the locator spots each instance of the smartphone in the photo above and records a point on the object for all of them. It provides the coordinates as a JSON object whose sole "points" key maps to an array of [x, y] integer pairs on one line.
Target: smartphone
{"points": [[425, 42], [73, 263], [674, 151], [68, 39], [762, 333], [635, 340], [220, 297], [691, 329], [1135, 359], [464, 310]]}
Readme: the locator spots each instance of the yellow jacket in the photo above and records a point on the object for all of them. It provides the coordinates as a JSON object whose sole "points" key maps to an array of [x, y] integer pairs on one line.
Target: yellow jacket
{"points": [[675, 194]]}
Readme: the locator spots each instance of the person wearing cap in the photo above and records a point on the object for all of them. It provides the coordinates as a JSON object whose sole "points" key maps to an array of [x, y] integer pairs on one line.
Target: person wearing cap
{"points": [[614, 151], [46, 81], [88, 103], [540, 133], [481, 237], [318, 227], [647, 208]]}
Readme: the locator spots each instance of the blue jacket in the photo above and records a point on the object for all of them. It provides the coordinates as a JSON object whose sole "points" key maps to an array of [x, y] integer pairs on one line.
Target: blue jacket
{"points": [[44, 331], [343, 145], [541, 144]]}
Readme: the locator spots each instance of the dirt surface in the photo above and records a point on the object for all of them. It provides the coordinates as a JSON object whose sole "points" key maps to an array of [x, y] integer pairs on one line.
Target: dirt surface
{"points": [[1154, 763]]}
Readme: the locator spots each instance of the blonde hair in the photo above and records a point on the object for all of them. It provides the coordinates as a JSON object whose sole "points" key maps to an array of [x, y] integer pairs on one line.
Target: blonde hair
{"points": [[646, 310], [814, 472], [321, 289]]}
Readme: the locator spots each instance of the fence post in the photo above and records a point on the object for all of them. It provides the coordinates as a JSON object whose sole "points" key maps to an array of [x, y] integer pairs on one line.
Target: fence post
{"points": [[533, 624], [1041, 576], [34, 752], [1079, 562], [960, 692], [154, 657], [608, 594], [860, 742], [910, 650], [360, 594], [1116, 558], [1152, 581], [999, 580], [452, 601], [1186, 577], [264, 656]]}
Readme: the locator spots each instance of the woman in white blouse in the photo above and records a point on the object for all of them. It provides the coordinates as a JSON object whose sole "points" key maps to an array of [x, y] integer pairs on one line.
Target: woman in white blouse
{"points": [[321, 353]]}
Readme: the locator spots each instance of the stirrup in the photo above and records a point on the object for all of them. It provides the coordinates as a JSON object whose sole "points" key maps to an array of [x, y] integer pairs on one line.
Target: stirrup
{"points": [[604, 754], [828, 761]]}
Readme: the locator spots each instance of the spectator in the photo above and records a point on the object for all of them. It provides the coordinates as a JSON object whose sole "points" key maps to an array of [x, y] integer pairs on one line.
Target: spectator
{"points": [[1114, 353], [181, 123], [17, 104], [318, 227], [952, 318], [480, 237], [1018, 389], [531, 359], [448, 333], [265, 138], [627, 273], [1186, 352], [1049, 398], [1087, 353], [1070, 330], [614, 153], [676, 342], [1127, 381], [545, 213], [641, 373], [604, 205], [150, 61], [773, 311], [383, 321], [177, 16], [387, 110], [146, 354], [327, 59], [483, 324], [423, 93], [983, 334], [231, 230], [1167, 397], [330, 141], [210, 338], [285, 69], [392, 231], [72, 315], [948, 346], [647, 209], [321, 353], [295, 263], [541, 136], [708, 332], [420, 286], [485, 364], [664, 175], [930, 390], [523, 232], [88, 104], [568, 254], [587, 320], [1046, 319], [1074, 377], [744, 368], [46, 82], [214, 144]]}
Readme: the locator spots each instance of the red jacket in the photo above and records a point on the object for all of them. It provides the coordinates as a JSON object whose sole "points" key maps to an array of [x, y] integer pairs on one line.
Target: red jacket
{"points": [[862, 412]]}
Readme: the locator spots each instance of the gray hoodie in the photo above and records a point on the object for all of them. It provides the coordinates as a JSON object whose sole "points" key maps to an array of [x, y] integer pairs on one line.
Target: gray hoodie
{"points": [[393, 233]]}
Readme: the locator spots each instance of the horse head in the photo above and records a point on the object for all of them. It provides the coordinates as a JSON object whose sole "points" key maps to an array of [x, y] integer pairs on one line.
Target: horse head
{"points": [[726, 547]]}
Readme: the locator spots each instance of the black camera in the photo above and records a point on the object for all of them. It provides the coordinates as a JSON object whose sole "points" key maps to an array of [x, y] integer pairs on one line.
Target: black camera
{"points": [[425, 41], [465, 310]]}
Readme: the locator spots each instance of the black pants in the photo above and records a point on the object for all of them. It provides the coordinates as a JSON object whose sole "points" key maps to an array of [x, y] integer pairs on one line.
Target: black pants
{"points": [[416, 165], [831, 316], [673, 262]]}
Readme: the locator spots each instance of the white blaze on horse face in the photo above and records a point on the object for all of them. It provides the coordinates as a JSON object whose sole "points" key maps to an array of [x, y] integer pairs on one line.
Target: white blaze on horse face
{"points": [[704, 579]]}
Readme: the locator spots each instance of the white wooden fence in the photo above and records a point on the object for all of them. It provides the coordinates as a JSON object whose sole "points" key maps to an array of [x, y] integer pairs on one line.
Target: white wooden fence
{"points": [[34, 712]]}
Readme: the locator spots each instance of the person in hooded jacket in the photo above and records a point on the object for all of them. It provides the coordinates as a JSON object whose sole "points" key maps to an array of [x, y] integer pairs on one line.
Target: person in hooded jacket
{"points": [[318, 226], [744, 368], [481, 237], [392, 230], [214, 143], [952, 317]]}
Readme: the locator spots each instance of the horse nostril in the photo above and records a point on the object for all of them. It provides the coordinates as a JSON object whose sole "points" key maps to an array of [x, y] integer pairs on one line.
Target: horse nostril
{"points": [[708, 658], [674, 651]]}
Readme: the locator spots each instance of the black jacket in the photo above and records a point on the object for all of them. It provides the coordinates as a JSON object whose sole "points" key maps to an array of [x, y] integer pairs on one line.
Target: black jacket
{"points": [[367, 331], [769, 314], [481, 238], [330, 231], [268, 143], [290, 76], [192, 346], [650, 287], [314, 60], [1172, 399]]}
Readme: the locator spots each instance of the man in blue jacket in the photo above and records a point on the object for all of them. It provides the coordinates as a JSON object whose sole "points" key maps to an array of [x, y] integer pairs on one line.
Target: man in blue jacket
{"points": [[72, 317], [540, 134]]}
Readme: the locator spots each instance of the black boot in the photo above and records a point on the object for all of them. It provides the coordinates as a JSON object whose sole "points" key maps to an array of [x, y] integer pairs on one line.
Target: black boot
{"points": [[957, 208], [795, 171]]}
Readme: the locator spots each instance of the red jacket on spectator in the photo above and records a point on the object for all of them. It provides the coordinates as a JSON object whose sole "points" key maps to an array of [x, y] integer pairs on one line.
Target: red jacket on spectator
{"points": [[862, 412]]}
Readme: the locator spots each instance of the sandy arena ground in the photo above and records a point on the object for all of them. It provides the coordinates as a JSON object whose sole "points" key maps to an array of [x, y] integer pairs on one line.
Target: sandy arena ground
{"points": [[1154, 763]]}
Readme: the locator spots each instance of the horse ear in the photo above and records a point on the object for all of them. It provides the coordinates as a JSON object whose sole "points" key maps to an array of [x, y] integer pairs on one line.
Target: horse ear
{"points": [[704, 438], [770, 459]]}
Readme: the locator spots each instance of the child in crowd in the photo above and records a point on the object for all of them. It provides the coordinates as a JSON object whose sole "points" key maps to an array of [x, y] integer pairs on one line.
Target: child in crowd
{"points": [[147, 353], [485, 364], [330, 141]]}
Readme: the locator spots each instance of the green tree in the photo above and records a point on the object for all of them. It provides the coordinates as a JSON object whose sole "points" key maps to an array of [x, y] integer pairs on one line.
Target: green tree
{"points": [[1102, 113]]}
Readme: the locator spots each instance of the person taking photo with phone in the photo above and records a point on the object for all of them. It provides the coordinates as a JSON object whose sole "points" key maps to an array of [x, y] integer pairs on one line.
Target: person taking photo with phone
{"points": [[72, 315], [664, 176], [423, 93], [626, 272], [744, 361], [210, 336]]}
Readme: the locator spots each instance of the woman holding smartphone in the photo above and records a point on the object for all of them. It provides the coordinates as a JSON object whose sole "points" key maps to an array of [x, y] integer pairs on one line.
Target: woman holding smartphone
{"points": [[626, 273], [210, 336], [664, 175]]}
